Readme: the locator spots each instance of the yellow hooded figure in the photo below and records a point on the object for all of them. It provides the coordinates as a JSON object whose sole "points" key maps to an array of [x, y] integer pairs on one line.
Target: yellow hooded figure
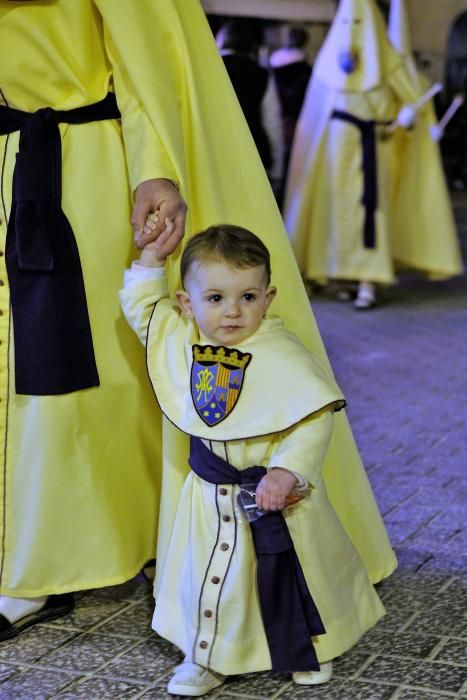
{"points": [[338, 194], [82, 471], [424, 236]]}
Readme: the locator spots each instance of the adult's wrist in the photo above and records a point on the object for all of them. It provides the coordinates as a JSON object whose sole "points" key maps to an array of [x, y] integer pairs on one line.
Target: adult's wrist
{"points": [[172, 182]]}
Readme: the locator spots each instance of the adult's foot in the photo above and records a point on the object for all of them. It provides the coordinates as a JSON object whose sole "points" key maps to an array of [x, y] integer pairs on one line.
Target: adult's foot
{"points": [[366, 296], [18, 614]]}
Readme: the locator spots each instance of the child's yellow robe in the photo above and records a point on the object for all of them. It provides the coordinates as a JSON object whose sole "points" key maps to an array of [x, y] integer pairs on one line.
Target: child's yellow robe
{"points": [[207, 601]]}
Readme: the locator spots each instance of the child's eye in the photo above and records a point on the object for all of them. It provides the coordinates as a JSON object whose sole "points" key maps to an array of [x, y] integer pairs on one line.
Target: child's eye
{"points": [[249, 296], [215, 298]]}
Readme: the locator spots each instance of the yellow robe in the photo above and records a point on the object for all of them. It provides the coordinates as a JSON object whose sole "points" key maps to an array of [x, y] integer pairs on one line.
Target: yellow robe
{"points": [[207, 602], [426, 241], [424, 234], [80, 472]]}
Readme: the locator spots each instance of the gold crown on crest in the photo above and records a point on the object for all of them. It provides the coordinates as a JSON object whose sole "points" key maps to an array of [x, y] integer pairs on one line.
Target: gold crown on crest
{"points": [[205, 353]]}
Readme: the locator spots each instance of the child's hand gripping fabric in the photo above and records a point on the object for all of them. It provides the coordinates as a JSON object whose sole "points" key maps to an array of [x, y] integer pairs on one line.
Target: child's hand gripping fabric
{"points": [[274, 491]]}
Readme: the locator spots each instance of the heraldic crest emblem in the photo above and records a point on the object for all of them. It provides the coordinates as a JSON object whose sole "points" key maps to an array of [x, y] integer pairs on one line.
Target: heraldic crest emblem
{"points": [[217, 375]]}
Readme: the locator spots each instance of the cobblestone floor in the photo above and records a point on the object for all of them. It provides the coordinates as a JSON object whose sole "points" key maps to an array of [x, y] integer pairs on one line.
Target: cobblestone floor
{"points": [[402, 367]]}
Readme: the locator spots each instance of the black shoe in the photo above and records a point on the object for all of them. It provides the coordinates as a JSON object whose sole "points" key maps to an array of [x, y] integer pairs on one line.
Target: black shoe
{"points": [[55, 606]]}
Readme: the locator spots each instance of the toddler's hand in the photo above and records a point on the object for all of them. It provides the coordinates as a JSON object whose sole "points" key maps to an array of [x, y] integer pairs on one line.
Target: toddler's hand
{"points": [[167, 240], [274, 490]]}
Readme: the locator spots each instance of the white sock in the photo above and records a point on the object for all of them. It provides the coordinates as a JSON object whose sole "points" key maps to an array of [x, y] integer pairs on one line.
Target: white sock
{"points": [[366, 289], [16, 608]]}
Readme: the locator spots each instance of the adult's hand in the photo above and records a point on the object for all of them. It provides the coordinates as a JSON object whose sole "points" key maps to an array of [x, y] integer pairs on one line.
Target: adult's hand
{"points": [[161, 196]]}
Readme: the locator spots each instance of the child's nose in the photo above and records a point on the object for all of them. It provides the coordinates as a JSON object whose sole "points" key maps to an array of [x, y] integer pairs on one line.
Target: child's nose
{"points": [[233, 309]]}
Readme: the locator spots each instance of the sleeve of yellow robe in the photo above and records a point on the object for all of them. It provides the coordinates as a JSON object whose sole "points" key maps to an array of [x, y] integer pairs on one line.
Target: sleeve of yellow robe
{"points": [[399, 80], [138, 301], [145, 152], [173, 68], [302, 449]]}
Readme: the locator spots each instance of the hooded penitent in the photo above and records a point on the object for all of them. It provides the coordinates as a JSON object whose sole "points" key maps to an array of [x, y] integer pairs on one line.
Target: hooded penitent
{"points": [[77, 465], [338, 203], [424, 235]]}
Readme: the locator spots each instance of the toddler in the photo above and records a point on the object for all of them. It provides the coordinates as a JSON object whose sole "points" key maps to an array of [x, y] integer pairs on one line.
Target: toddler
{"points": [[286, 591]]}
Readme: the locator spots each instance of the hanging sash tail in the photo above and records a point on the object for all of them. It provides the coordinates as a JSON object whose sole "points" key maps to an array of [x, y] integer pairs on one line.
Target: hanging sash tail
{"points": [[370, 173], [54, 352], [289, 614]]}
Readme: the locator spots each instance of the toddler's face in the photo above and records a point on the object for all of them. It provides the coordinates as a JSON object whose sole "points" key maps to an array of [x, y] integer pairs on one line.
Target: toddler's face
{"points": [[227, 303]]}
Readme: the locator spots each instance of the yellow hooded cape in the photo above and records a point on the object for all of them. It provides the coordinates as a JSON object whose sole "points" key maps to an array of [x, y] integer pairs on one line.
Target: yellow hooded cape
{"points": [[82, 491]]}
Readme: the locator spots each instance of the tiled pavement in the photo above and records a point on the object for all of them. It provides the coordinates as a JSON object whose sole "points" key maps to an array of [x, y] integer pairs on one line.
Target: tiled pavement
{"points": [[403, 369]]}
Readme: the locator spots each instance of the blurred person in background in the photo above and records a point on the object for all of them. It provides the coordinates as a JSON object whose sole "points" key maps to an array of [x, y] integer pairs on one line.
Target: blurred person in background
{"points": [[454, 143], [291, 71], [340, 199], [239, 43]]}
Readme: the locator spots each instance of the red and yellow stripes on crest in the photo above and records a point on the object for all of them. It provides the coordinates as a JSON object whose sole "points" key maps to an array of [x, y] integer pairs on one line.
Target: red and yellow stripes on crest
{"points": [[222, 379], [223, 376]]}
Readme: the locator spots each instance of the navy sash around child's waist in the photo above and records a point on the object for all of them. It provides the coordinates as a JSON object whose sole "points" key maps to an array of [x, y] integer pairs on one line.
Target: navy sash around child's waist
{"points": [[54, 352], [290, 616]]}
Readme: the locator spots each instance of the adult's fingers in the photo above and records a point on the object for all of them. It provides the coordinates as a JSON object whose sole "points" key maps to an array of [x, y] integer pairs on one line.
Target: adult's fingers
{"points": [[143, 207], [156, 195], [149, 234], [167, 242]]}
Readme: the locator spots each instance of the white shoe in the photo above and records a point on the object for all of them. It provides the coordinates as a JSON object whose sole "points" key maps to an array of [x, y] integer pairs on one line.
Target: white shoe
{"points": [[193, 680], [366, 297], [314, 677], [15, 609]]}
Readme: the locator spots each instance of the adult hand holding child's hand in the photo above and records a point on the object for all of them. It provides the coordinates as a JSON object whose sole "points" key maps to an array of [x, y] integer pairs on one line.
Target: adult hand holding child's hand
{"points": [[155, 253], [161, 196]]}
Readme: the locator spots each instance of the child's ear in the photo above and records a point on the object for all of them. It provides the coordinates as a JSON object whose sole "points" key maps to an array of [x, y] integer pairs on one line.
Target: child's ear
{"points": [[270, 294], [184, 302]]}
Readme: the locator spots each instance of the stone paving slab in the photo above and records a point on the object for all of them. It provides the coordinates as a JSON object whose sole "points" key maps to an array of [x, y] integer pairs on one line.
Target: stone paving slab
{"points": [[402, 367]]}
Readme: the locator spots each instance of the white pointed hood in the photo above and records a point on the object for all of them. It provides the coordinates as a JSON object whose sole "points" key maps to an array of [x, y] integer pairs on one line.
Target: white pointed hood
{"points": [[358, 28], [399, 36]]}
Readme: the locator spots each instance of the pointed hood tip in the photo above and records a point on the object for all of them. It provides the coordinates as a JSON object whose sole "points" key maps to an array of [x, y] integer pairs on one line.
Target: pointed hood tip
{"points": [[358, 27], [398, 28]]}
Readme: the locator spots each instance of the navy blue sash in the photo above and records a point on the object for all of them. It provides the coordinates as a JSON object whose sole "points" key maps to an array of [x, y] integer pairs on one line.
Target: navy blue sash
{"points": [[54, 352], [290, 616], [370, 173]]}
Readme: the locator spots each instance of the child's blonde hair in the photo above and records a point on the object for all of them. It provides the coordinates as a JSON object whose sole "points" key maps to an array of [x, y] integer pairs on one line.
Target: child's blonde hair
{"points": [[225, 242]]}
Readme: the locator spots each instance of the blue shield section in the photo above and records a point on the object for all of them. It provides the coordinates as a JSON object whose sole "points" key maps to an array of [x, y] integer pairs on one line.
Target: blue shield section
{"points": [[203, 383], [215, 388]]}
